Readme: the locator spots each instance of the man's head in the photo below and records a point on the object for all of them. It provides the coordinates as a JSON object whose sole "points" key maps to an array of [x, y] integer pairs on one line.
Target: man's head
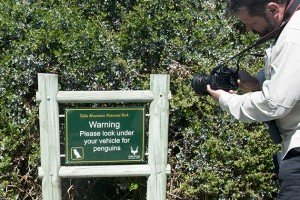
{"points": [[259, 16]]}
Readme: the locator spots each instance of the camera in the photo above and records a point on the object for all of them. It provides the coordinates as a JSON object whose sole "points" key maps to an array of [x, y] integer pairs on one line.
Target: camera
{"points": [[221, 77]]}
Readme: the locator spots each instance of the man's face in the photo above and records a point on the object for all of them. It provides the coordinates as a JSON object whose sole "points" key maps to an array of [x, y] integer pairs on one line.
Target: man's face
{"points": [[260, 25]]}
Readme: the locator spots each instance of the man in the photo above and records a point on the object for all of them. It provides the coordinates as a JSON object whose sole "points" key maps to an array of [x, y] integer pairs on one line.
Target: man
{"points": [[274, 94]]}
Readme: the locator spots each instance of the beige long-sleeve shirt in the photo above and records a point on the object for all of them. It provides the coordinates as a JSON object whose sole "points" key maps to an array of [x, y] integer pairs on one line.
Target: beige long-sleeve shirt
{"points": [[279, 97]]}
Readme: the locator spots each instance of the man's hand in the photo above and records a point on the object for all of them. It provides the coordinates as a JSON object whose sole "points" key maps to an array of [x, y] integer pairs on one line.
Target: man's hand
{"points": [[247, 83], [217, 93]]}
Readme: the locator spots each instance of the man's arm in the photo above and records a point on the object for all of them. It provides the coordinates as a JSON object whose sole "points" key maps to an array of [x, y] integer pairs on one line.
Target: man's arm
{"points": [[278, 95]]}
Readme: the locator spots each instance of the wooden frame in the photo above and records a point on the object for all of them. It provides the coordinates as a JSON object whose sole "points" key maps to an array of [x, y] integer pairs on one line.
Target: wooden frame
{"points": [[157, 168]]}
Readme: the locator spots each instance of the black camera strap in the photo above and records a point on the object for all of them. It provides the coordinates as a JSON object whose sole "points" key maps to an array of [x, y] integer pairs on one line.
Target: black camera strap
{"points": [[291, 8]]}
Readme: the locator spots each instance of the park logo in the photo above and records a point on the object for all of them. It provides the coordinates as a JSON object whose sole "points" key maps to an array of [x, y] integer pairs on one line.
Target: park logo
{"points": [[134, 153]]}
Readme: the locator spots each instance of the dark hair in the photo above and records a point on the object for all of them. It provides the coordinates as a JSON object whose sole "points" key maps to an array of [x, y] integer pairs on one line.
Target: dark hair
{"points": [[254, 7]]}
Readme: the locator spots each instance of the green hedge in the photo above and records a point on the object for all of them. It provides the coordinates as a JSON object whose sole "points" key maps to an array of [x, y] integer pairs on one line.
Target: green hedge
{"points": [[117, 44]]}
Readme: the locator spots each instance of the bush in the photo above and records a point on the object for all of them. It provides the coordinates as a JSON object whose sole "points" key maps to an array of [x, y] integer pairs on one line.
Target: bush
{"points": [[104, 45]]}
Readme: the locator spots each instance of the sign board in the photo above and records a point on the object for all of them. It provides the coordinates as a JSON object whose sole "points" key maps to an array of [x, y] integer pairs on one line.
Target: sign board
{"points": [[104, 135]]}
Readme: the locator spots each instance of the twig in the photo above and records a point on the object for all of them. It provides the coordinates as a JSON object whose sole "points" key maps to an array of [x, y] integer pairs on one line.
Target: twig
{"points": [[177, 197]]}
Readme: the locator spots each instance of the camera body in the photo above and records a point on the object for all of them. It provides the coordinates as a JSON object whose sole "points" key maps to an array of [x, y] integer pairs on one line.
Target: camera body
{"points": [[221, 77]]}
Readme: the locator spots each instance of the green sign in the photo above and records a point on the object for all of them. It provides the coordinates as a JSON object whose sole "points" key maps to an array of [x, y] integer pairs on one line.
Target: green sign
{"points": [[104, 135]]}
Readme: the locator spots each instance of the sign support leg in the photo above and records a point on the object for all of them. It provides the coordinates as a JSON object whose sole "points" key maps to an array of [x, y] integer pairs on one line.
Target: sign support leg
{"points": [[158, 137], [49, 136]]}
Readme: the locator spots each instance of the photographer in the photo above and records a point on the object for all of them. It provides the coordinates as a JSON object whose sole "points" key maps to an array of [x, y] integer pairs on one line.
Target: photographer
{"points": [[274, 93]]}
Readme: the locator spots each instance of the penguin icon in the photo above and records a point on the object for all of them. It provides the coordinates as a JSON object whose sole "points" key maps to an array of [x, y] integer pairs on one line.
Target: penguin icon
{"points": [[76, 153]]}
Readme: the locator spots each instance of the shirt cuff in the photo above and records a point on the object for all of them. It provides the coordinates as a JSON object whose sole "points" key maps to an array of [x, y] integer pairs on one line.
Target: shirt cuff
{"points": [[223, 101]]}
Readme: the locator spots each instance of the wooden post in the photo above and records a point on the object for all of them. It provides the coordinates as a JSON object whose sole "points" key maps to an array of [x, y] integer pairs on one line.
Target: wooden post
{"points": [[158, 137], [49, 136]]}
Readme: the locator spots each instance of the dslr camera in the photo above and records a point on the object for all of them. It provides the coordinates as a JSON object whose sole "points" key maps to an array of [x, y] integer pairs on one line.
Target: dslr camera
{"points": [[221, 77]]}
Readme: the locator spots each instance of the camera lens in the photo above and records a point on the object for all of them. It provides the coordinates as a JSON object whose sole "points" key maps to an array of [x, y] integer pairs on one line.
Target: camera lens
{"points": [[199, 84]]}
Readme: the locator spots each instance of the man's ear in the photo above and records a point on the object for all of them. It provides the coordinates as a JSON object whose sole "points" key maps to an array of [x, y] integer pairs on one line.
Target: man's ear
{"points": [[273, 8]]}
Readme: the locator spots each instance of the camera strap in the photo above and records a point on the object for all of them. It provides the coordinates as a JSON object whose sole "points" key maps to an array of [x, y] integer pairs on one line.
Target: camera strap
{"points": [[291, 8]]}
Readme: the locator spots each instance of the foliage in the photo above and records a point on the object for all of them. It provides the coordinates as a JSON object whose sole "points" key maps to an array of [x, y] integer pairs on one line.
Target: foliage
{"points": [[116, 44]]}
